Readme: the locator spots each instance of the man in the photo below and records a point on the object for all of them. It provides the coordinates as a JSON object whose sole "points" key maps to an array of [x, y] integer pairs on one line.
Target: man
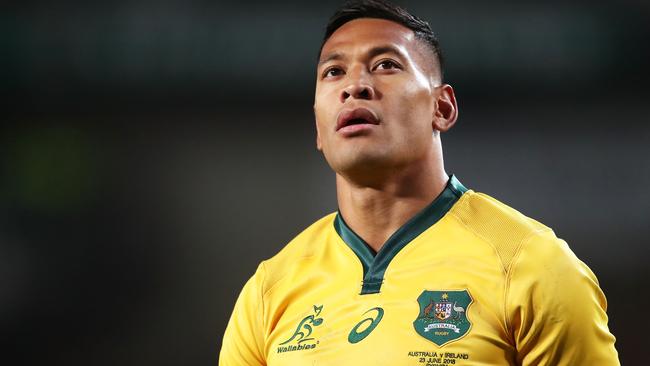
{"points": [[414, 269]]}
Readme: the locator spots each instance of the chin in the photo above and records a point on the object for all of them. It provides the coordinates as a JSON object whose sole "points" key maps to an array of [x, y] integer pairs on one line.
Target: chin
{"points": [[365, 164]]}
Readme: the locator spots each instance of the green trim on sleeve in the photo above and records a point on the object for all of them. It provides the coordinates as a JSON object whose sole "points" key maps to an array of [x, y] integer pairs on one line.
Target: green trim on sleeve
{"points": [[374, 266]]}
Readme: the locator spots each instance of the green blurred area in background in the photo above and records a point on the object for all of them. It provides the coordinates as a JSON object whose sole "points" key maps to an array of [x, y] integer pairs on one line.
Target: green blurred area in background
{"points": [[49, 169]]}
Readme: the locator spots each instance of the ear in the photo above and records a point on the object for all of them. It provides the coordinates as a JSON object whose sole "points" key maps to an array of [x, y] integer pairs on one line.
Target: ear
{"points": [[446, 111]]}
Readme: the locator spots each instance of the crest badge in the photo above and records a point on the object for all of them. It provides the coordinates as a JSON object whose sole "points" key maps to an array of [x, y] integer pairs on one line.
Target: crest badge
{"points": [[443, 315]]}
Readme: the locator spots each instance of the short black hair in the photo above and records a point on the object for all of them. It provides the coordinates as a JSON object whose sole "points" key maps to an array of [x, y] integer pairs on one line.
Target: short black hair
{"points": [[380, 9]]}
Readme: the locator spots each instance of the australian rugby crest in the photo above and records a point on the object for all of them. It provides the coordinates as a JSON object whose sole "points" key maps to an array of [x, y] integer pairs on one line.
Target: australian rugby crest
{"points": [[443, 315]]}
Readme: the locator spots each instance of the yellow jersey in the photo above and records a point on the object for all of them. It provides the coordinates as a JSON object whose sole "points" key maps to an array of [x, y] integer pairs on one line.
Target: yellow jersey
{"points": [[466, 281]]}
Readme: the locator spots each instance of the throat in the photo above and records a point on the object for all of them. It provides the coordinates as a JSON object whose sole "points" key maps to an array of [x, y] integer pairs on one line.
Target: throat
{"points": [[376, 237]]}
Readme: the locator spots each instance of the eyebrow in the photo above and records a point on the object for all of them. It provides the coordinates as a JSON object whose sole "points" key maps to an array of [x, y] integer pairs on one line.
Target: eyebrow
{"points": [[373, 52]]}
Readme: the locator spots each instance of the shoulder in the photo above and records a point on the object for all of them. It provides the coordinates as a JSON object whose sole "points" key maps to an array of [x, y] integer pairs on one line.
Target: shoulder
{"points": [[305, 245], [519, 240], [490, 216], [498, 224]]}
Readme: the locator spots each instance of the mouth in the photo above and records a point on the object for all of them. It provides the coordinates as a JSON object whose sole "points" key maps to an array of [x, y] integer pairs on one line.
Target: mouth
{"points": [[357, 116]]}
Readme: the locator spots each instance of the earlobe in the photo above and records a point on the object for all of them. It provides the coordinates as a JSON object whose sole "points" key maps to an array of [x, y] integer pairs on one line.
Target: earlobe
{"points": [[446, 112]]}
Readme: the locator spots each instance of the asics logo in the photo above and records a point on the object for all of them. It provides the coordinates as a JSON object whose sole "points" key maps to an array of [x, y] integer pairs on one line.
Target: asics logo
{"points": [[366, 325]]}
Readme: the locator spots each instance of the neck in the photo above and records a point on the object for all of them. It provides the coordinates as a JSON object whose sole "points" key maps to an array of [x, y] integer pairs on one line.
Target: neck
{"points": [[375, 211]]}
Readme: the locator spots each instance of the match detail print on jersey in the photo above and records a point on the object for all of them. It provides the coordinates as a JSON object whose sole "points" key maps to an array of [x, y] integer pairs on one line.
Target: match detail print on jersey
{"points": [[374, 266]]}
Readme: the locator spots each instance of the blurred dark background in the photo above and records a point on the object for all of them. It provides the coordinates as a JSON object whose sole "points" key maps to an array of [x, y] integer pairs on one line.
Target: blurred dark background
{"points": [[154, 152]]}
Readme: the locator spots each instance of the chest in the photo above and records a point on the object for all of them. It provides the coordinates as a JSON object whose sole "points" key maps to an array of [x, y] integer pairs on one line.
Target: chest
{"points": [[430, 310]]}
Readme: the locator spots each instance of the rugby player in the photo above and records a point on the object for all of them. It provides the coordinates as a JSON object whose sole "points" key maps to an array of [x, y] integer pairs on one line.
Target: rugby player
{"points": [[414, 268]]}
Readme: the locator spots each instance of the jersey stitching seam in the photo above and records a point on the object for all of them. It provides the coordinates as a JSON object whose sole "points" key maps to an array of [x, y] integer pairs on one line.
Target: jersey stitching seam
{"points": [[509, 275], [494, 249], [301, 256], [284, 274], [483, 238], [506, 271]]}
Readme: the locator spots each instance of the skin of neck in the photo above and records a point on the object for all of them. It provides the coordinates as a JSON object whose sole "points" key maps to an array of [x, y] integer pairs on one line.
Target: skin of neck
{"points": [[377, 207]]}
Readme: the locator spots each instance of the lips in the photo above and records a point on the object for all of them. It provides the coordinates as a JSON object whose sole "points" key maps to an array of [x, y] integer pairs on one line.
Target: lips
{"points": [[356, 116]]}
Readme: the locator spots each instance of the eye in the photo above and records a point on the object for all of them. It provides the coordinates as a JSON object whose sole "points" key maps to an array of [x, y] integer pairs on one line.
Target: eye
{"points": [[387, 65], [332, 72]]}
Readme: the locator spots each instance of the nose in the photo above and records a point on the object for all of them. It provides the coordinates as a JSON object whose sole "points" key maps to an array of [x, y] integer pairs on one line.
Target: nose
{"points": [[358, 88]]}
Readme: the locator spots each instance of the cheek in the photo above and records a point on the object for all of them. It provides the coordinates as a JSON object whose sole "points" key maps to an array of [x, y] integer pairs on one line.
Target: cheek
{"points": [[322, 131], [324, 110], [418, 92], [321, 117], [412, 110], [422, 96], [322, 99], [415, 107]]}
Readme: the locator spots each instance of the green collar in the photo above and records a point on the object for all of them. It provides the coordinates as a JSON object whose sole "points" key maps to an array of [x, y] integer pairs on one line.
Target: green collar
{"points": [[374, 266]]}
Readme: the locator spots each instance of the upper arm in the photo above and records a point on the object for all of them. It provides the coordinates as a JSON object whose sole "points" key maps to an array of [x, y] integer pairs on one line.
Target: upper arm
{"points": [[556, 308], [243, 341]]}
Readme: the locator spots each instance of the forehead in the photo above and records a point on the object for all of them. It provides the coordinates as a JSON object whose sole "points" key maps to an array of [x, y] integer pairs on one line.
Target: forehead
{"points": [[367, 33]]}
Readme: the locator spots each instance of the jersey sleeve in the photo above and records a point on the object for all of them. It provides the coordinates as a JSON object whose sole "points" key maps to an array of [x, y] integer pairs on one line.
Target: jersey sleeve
{"points": [[556, 308], [243, 341]]}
